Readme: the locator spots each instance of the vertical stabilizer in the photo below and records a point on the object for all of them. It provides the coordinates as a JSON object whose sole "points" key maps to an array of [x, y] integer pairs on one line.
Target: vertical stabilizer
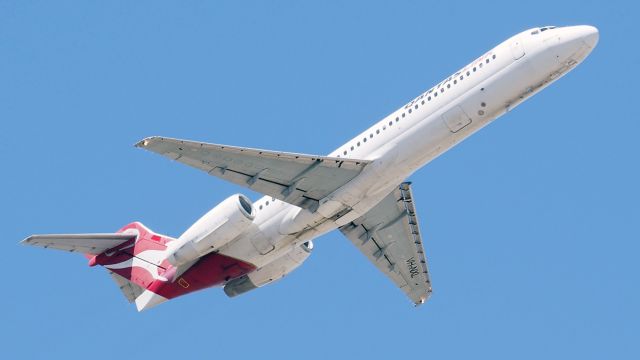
{"points": [[148, 299]]}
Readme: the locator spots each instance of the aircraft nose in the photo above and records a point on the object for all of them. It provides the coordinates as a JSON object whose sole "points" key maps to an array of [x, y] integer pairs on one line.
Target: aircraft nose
{"points": [[582, 33], [590, 35], [572, 43]]}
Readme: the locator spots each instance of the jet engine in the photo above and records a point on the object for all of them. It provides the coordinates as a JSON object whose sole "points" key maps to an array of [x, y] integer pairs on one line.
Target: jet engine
{"points": [[218, 227], [271, 272]]}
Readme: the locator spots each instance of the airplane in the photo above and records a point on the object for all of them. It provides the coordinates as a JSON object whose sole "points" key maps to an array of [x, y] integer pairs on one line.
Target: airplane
{"points": [[360, 188]]}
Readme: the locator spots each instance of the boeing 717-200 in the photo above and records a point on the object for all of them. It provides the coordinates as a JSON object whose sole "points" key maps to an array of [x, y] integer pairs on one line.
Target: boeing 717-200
{"points": [[360, 188]]}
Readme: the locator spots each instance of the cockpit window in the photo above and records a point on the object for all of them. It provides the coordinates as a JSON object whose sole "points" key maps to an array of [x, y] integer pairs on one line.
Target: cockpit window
{"points": [[547, 28], [535, 32]]}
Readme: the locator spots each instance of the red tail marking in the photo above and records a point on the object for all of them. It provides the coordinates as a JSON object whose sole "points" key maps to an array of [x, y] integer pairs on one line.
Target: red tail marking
{"points": [[142, 261]]}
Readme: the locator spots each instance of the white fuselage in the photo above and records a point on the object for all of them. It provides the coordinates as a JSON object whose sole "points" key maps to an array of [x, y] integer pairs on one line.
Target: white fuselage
{"points": [[417, 133]]}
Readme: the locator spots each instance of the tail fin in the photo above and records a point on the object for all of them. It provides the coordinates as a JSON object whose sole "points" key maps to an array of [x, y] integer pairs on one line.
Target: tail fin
{"points": [[134, 256], [137, 263], [143, 298], [130, 290]]}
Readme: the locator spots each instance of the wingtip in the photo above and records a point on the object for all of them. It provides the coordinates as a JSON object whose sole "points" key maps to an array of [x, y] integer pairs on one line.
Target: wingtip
{"points": [[27, 240], [423, 298], [146, 141]]}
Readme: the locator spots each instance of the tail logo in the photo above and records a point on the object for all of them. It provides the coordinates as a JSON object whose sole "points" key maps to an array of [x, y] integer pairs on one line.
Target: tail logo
{"points": [[143, 260]]}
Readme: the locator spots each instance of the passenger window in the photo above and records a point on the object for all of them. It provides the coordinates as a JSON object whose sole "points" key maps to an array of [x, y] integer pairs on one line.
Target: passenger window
{"points": [[494, 56], [378, 131], [358, 143], [345, 152], [409, 111], [416, 107], [487, 61], [422, 102], [390, 123]]}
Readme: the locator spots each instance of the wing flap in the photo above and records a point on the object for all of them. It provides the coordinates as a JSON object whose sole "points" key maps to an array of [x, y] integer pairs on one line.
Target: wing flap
{"points": [[93, 244], [298, 179], [389, 236]]}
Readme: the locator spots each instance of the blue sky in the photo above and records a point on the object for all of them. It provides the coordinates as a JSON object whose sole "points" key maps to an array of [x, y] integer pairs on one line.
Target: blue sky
{"points": [[531, 225]]}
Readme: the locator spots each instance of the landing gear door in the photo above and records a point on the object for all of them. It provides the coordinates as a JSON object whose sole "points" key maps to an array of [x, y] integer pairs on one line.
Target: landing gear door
{"points": [[517, 49], [456, 119]]}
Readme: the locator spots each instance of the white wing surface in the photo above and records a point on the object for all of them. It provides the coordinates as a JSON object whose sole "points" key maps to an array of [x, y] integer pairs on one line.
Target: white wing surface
{"points": [[389, 236], [301, 180]]}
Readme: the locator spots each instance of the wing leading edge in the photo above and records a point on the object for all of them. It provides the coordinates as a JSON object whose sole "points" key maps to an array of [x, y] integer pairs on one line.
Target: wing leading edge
{"points": [[298, 179], [389, 236]]}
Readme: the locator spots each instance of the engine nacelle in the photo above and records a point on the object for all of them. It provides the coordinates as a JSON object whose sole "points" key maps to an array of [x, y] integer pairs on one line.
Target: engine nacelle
{"points": [[271, 272], [216, 228]]}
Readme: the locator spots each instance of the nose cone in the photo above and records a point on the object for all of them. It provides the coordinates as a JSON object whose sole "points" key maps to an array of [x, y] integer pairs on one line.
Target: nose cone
{"points": [[590, 35], [580, 34], [573, 43]]}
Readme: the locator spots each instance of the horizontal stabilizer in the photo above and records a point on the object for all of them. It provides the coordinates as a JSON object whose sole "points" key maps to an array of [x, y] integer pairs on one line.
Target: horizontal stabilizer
{"points": [[93, 244]]}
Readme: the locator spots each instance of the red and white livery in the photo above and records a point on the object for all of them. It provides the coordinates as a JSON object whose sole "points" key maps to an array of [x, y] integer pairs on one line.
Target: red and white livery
{"points": [[359, 188]]}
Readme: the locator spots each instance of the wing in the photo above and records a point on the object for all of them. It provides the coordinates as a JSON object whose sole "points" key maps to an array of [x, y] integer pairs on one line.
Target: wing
{"points": [[93, 244], [301, 180], [389, 236]]}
